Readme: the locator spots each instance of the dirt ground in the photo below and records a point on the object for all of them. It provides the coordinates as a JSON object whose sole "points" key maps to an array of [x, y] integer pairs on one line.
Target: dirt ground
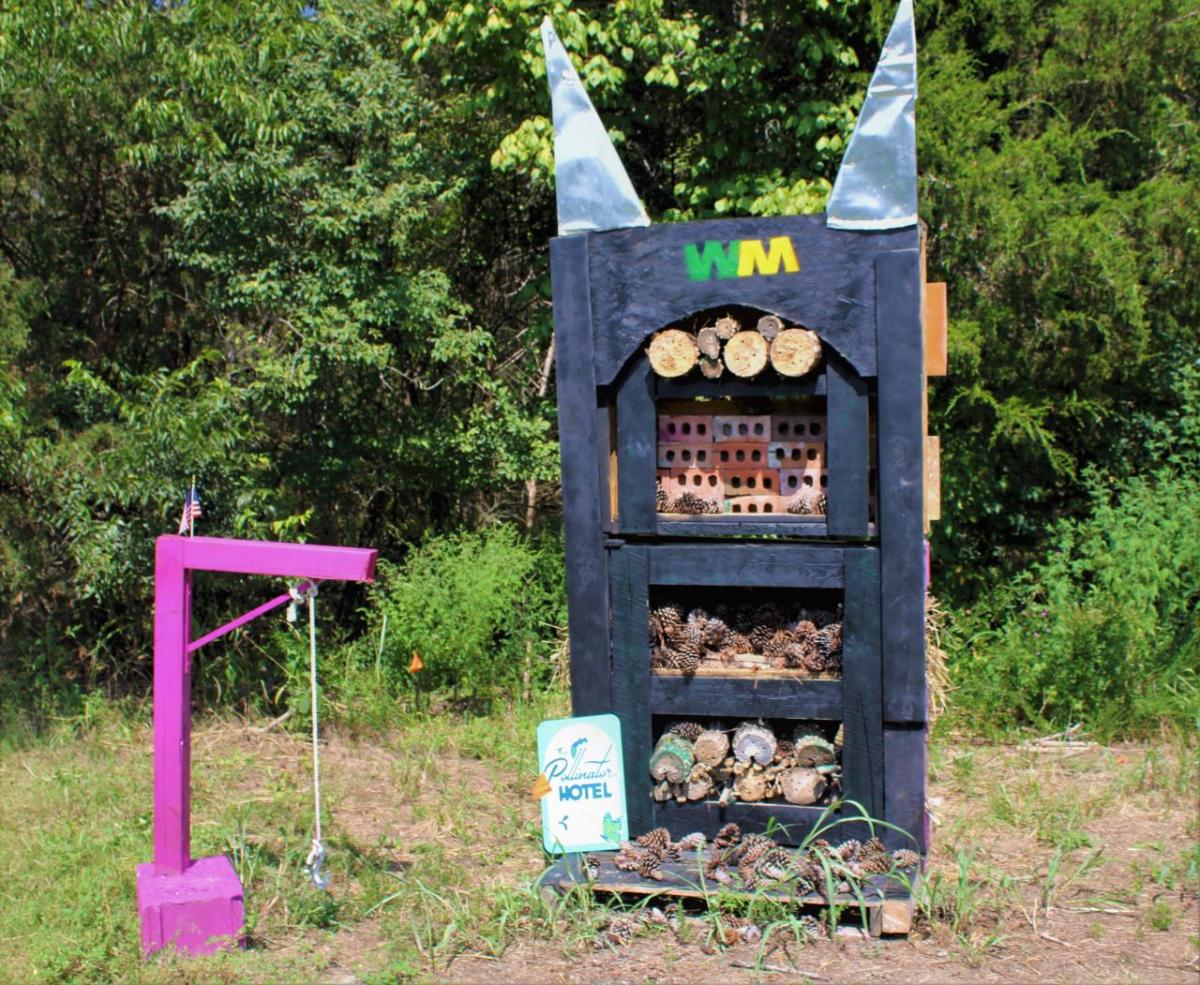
{"points": [[1048, 865]]}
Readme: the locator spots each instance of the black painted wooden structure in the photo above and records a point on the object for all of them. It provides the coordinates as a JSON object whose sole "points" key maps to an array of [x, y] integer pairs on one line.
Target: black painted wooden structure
{"points": [[861, 293]]}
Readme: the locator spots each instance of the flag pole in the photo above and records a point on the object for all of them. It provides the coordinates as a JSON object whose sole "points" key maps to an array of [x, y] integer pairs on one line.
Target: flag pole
{"points": [[191, 500]]}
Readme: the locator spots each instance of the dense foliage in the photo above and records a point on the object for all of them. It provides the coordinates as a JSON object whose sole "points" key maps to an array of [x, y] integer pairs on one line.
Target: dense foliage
{"points": [[299, 252]]}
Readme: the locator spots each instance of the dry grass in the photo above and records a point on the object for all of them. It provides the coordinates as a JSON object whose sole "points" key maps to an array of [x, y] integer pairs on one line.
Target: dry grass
{"points": [[1077, 865]]}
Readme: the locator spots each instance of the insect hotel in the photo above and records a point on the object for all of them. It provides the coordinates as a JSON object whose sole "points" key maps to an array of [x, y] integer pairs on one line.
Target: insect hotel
{"points": [[747, 486]]}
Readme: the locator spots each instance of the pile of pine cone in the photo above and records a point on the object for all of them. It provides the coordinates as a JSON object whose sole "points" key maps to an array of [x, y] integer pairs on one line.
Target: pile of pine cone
{"points": [[748, 861], [809, 503], [686, 502], [809, 641]]}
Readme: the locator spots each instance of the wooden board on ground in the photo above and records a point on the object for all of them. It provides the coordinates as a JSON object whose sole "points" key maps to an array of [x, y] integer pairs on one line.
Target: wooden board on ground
{"points": [[888, 899]]}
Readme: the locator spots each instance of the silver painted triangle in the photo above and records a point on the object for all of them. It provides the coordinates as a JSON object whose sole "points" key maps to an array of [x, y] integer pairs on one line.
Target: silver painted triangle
{"points": [[876, 185], [593, 191]]}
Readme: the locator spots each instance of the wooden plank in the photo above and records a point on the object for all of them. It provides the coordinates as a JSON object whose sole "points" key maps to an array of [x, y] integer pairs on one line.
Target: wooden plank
{"points": [[848, 426], [709, 817], [734, 388], [905, 753], [643, 280], [752, 566], [685, 879], [862, 699], [779, 525], [637, 441], [899, 913], [586, 579], [631, 676], [606, 460], [901, 486], [933, 479], [935, 329], [750, 695]]}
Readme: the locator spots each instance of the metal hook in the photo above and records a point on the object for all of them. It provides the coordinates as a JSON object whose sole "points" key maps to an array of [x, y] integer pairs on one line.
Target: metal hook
{"points": [[314, 862]]}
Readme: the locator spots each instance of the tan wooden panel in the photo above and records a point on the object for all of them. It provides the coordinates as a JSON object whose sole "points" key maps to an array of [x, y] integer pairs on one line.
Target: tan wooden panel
{"points": [[933, 479], [935, 329]]}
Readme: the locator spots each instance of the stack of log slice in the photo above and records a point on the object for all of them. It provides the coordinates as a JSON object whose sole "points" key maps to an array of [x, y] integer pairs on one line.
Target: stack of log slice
{"points": [[742, 349], [749, 763], [764, 636]]}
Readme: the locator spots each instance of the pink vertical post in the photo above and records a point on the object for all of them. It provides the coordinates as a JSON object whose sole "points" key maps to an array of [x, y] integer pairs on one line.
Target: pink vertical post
{"points": [[172, 710], [196, 905]]}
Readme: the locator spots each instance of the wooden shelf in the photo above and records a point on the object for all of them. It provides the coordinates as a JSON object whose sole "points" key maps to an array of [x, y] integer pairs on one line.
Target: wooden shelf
{"points": [[753, 694]]}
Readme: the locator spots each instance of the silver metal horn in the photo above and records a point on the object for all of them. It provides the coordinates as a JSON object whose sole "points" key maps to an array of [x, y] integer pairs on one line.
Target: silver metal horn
{"points": [[593, 191], [876, 185]]}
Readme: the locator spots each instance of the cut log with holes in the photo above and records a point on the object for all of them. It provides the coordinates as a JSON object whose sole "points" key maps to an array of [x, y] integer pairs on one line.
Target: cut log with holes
{"points": [[769, 326], [700, 783], [711, 369], [751, 786], [801, 785], [710, 748], [661, 792], [672, 353], [813, 750], [753, 743], [709, 342], [726, 328], [746, 354], [672, 758], [795, 351]]}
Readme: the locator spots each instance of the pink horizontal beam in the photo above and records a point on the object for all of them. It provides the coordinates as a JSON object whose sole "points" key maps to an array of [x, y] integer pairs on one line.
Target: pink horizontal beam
{"points": [[264, 557]]}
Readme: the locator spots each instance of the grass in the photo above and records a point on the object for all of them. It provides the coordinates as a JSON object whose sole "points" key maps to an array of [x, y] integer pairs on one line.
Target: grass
{"points": [[433, 842]]}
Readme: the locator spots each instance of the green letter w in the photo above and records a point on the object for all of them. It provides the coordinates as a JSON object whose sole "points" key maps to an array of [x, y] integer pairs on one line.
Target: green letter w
{"points": [[701, 265]]}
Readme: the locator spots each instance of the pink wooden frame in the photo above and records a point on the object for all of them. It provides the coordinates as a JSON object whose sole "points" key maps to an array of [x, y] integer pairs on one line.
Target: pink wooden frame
{"points": [[196, 904]]}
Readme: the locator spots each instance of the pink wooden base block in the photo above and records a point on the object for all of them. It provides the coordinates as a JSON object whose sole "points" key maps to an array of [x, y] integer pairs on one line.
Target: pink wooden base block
{"points": [[199, 912]]}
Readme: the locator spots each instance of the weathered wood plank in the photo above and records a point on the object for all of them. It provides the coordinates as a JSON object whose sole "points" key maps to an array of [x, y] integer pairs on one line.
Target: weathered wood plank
{"points": [[642, 282], [935, 329], [732, 388], [637, 439], [587, 583], [905, 755], [746, 696], [758, 565], [631, 676], [933, 479], [792, 823], [848, 426], [901, 482], [863, 754], [782, 525]]}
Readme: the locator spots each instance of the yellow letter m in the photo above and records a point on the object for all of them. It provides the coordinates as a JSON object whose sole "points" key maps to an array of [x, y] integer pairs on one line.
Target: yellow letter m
{"points": [[753, 259]]}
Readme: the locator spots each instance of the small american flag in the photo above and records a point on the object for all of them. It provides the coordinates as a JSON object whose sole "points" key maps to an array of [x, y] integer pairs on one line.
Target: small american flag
{"points": [[191, 510]]}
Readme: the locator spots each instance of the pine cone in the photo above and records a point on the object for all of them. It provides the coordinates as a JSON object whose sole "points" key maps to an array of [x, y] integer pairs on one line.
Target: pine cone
{"points": [[715, 634], [874, 864], [775, 865], [777, 645], [800, 505], [760, 637], [687, 730], [905, 858], [829, 640], [692, 842], [657, 838], [619, 932], [848, 850], [728, 836], [873, 847], [661, 499], [628, 859], [821, 507], [651, 865], [805, 629]]}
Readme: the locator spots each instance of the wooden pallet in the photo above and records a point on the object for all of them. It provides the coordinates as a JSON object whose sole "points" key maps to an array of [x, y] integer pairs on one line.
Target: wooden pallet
{"points": [[887, 902]]}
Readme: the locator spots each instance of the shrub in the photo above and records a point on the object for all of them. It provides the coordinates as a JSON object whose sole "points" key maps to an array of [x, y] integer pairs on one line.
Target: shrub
{"points": [[1103, 630], [481, 609]]}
